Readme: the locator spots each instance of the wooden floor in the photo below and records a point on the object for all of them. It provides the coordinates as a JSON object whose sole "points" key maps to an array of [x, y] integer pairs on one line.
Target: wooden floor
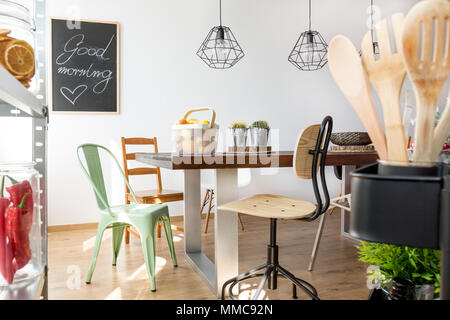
{"points": [[338, 274]]}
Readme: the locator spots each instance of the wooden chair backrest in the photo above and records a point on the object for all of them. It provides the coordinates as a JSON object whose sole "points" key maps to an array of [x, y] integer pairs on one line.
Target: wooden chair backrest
{"points": [[303, 159], [309, 158], [132, 156]]}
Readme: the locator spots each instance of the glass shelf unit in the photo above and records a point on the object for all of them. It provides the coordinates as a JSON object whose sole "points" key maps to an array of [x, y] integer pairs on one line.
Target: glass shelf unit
{"points": [[17, 101]]}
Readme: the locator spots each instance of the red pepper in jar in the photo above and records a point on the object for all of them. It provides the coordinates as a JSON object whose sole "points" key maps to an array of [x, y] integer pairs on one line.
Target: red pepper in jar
{"points": [[6, 250], [18, 190], [16, 193], [18, 224]]}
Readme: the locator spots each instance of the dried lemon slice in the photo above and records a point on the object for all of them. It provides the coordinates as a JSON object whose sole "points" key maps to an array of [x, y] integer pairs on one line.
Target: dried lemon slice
{"points": [[20, 78], [4, 32], [25, 83], [4, 42], [19, 58]]}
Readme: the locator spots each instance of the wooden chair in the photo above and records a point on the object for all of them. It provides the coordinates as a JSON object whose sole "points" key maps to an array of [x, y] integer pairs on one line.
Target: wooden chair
{"points": [[309, 158], [208, 200], [159, 195], [343, 202]]}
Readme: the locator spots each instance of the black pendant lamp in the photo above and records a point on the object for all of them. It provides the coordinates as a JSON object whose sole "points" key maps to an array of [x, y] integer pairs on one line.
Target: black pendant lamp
{"points": [[310, 51], [220, 50]]}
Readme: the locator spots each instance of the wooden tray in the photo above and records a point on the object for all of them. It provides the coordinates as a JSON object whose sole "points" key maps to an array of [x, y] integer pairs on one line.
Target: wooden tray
{"points": [[267, 149], [369, 148]]}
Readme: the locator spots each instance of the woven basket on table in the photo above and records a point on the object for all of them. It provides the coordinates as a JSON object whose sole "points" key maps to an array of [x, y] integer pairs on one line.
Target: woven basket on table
{"points": [[350, 138]]}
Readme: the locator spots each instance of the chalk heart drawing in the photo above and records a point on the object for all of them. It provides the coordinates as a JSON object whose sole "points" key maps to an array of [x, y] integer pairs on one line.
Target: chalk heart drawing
{"points": [[73, 95]]}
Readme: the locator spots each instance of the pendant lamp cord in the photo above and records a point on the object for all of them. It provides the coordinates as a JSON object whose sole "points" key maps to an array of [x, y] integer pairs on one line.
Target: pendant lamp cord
{"points": [[220, 12], [309, 15]]}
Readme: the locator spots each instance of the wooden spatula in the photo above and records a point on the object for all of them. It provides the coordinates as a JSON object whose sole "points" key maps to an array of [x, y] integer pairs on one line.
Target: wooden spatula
{"points": [[387, 75], [441, 132], [347, 70], [428, 66]]}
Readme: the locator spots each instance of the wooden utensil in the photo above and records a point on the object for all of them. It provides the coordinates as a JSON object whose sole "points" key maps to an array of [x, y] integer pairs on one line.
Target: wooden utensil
{"points": [[441, 132], [428, 66], [387, 75], [349, 74]]}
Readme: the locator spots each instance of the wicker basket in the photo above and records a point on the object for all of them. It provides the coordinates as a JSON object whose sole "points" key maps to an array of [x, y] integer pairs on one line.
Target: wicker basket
{"points": [[196, 138], [350, 138]]}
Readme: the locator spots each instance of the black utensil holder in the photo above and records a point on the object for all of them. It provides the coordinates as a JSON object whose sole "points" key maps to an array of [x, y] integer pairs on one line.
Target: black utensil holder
{"points": [[396, 209], [411, 210]]}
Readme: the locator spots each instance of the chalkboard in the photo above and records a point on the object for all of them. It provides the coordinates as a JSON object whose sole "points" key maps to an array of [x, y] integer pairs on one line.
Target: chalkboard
{"points": [[84, 66]]}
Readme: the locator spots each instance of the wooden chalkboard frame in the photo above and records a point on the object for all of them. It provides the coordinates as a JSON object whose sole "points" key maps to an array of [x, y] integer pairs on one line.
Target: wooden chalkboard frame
{"points": [[51, 67]]}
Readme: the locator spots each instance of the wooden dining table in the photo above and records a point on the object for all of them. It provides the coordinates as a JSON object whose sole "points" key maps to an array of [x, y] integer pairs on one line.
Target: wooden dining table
{"points": [[226, 165]]}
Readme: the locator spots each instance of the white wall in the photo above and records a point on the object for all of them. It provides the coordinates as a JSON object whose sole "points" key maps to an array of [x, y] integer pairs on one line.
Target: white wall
{"points": [[161, 77]]}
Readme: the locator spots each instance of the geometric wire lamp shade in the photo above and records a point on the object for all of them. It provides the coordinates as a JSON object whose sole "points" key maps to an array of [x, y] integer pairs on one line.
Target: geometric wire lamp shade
{"points": [[310, 52], [220, 50]]}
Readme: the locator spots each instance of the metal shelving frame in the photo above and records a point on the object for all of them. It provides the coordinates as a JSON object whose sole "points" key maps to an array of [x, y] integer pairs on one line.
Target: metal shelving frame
{"points": [[17, 101]]}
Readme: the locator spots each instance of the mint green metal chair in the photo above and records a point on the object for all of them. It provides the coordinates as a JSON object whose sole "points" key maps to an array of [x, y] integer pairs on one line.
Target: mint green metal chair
{"points": [[143, 217]]}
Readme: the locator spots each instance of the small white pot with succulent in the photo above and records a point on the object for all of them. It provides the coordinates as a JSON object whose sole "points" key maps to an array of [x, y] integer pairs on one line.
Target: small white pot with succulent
{"points": [[259, 133], [239, 132]]}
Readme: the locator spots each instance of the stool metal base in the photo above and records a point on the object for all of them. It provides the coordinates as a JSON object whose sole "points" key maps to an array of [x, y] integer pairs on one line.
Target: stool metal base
{"points": [[271, 273]]}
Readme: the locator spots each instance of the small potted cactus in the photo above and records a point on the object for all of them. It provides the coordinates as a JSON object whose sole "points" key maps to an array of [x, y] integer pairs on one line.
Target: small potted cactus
{"points": [[239, 132], [259, 133]]}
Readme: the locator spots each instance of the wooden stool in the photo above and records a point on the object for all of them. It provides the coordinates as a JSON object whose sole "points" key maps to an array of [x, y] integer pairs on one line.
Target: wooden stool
{"points": [[309, 159]]}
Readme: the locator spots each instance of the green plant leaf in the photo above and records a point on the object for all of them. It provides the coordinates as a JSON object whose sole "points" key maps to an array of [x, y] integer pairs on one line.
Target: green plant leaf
{"points": [[420, 265]]}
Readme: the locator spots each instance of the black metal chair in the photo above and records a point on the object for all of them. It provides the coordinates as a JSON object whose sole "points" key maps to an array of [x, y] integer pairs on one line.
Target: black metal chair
{"points": [[309, 159]]}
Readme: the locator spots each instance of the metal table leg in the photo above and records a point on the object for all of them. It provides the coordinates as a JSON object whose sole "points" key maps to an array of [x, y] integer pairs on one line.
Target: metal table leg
{"points": [[225, 229], [192, 229]]}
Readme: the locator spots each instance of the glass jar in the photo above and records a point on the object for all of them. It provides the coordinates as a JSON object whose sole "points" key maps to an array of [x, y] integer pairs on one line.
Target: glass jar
{"points": [[402, 289], [17, 43], [20, 225]]}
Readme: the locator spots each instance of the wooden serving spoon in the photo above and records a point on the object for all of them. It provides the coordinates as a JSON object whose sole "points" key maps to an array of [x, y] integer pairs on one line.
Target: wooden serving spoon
{"points": [[387, 75], [349, 74], [428, 66]]}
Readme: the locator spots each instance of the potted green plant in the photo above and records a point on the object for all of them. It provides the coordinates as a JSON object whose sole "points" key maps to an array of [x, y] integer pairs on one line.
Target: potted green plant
{"points": [[421, 266], [259, 133], [239, 132]]}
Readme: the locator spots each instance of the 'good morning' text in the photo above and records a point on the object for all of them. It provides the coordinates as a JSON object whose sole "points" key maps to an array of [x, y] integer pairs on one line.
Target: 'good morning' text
{"points": [[76, 46], [100, 87]]}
